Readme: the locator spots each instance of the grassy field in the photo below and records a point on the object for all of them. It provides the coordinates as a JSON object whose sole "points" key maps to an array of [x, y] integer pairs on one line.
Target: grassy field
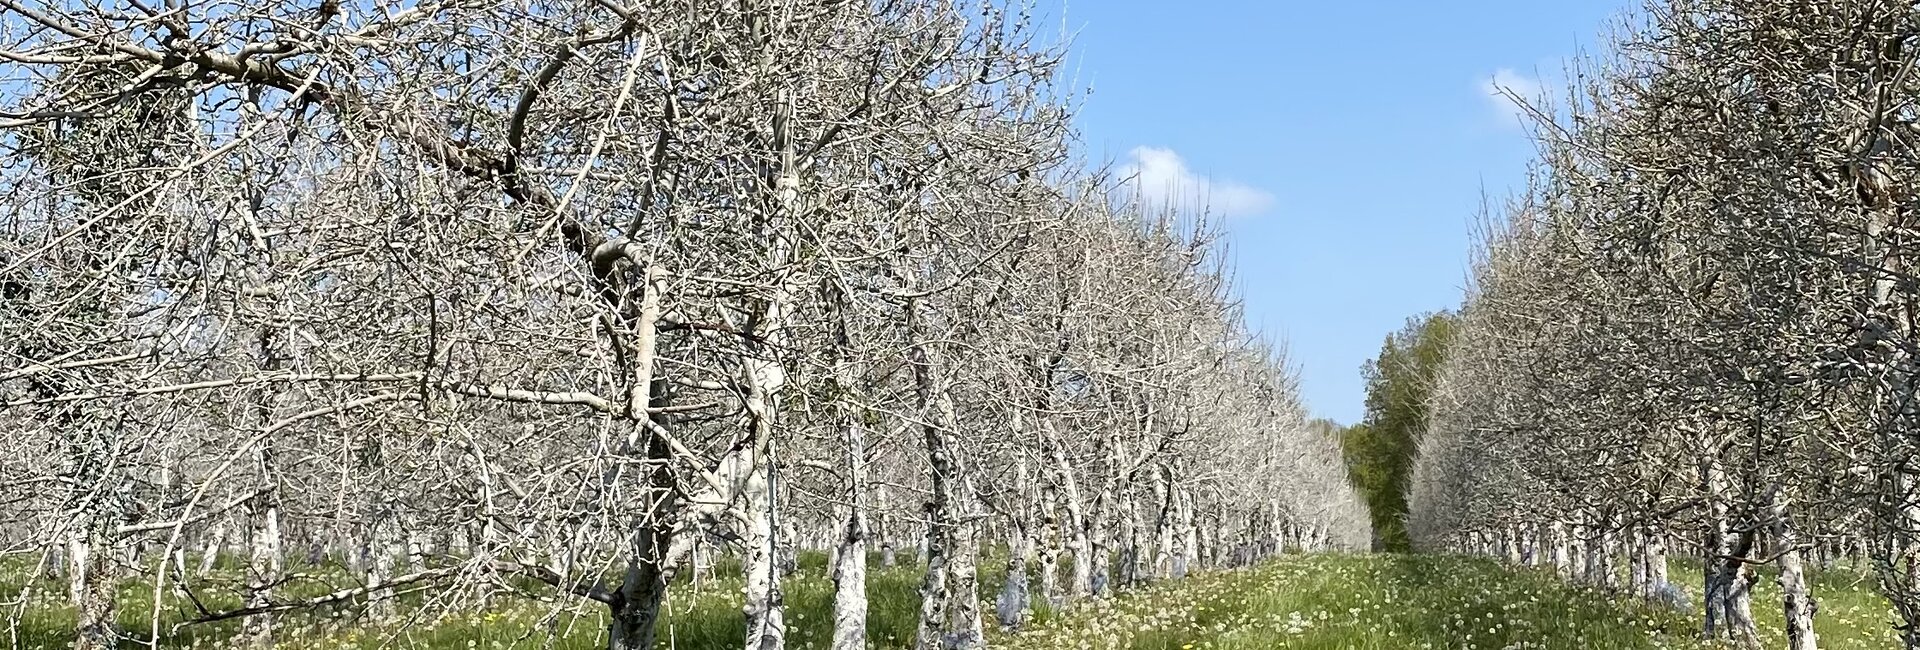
{"points": [[1309, 602], [1394, 602]]}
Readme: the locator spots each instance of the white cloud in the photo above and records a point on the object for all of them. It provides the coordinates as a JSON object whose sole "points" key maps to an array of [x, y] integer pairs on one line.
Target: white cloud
{"points": [[1161, 180], [1503, 87]]}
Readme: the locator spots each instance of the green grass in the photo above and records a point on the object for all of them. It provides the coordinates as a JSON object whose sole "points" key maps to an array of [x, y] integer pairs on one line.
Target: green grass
{"points": [[1309, 602], [1393, 602]]}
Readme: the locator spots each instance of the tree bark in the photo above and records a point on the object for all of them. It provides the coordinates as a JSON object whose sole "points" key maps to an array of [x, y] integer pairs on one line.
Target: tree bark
{"points": [[1557, 543], [764, 605], [636, 606], [1014, 602], [885, 530], [1731, 591], [91, 581], [950, 606], [264, 545], [1796, 600], [1081, 582], [850, 555], [1052, 545]]}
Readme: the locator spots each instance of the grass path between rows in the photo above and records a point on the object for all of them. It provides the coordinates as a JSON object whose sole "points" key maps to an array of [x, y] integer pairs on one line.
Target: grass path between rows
{"points": [[1409, 601], [1331, 602]]}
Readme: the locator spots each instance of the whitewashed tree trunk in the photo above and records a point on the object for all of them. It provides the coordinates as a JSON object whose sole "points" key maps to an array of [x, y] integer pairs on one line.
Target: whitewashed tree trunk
{"points": [[1014, 602], [1570, 560], [1740, 622], [210, 552], [1657, 559], [1717, 544], [950, 605], [1609, 556], [934, 590], [763, 605], [264, 546], [1081, 582], [964, 629], [387, 545], [1052, 544], [415, 543], [1211, 532], [1796, 600], [1638, 571], [884, 530], [1135, 559], [1557, 545], [1275, 539], [786, 548], [1101, 539], [1189, 537], [1732, 592], [90, 580], [1163, 523], [264, 562], [1594, 550], [764, 376], [850, 553]]}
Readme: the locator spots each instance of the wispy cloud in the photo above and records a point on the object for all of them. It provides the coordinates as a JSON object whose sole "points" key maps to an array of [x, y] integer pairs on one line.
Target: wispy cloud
{"points": [[1504, 87], [1161, 180]]}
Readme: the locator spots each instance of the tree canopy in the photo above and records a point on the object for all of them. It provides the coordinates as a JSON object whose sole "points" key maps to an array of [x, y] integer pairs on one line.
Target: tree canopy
{"points": [[1380, 449]]}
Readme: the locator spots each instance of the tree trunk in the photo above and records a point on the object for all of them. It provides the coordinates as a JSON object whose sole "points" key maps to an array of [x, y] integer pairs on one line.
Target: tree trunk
{"points": [[264, 546], [1013, 604], [950, 605], [1163, 523], [1717, 546], [850, 555], [883, 531], [1638, 571], [764, 605], [388, 543], [964, 631], [1188, 542], [1731, 592], [1609, 556], [933, 583], [1596, 555], [1896, 557], [1100, 539], [635, 612], [1657, 560], [210, 553], [1557, 543], [1740, 624], [1051, 546], [1082, 581], [1796, 600], [636, 609], [1132, 555], [90, 582], [264, 563]]}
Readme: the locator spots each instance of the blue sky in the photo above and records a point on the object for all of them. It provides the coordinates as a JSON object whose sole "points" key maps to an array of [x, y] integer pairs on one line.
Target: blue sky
{"points": [[1349, 142]]}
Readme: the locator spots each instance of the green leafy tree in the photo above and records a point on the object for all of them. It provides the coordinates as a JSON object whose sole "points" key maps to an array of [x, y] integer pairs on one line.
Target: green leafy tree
{"points": [[1380, 449]]}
